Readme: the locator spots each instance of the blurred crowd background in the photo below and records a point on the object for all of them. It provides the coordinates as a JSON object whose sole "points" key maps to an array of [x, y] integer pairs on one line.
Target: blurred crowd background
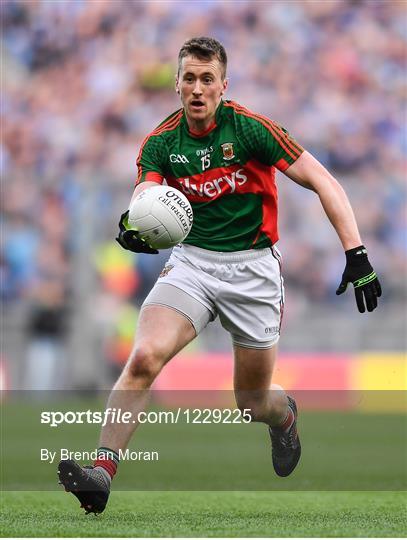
{"points": [[83, 82]]}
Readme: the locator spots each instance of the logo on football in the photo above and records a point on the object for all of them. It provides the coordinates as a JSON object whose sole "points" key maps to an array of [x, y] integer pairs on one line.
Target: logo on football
{"points": [[162, 215]]}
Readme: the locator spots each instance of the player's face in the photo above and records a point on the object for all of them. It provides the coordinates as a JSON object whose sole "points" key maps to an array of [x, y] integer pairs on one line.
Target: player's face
{"points": [[201, 85]]}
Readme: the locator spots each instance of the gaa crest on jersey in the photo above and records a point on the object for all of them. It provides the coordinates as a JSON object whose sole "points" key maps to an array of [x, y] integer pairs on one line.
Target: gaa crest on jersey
{"points": [[227, 149]]}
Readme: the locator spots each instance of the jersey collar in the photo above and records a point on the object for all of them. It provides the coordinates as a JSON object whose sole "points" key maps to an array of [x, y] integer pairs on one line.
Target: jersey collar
{"points": [[213, 126]]}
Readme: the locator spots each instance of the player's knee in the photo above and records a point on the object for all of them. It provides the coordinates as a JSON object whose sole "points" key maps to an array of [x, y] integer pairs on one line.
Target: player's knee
{"points": [[145, 363]]}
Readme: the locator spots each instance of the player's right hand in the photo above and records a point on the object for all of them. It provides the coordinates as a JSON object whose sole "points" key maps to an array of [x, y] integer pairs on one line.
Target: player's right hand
{"points": [[360, 273], [129, 239]]}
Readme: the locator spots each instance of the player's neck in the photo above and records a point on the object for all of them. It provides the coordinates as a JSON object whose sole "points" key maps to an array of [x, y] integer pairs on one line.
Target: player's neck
{"points": [[199, 129]]}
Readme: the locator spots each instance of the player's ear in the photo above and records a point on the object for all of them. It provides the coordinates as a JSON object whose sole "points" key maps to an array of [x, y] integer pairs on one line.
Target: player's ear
{"points": [[225, 85], [176, 84]]}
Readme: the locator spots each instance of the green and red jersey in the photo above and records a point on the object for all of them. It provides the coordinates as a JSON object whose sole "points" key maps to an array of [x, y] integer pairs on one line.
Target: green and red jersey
{"points": [[227, 174]]}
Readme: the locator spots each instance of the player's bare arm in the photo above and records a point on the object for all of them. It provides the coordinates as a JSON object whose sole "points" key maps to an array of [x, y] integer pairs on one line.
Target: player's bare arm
{"points": [[311, 174]]}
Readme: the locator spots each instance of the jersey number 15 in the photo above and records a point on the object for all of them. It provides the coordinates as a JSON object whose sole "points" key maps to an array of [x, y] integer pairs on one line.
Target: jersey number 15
{"points": [[206, 162]]}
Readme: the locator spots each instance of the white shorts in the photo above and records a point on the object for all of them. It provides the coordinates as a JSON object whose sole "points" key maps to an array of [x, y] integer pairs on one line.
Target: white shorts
{"points": [[245, 288]]}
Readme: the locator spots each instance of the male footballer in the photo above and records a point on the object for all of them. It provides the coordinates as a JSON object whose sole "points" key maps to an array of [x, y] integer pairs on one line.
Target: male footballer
{"points": [[223, 157]]}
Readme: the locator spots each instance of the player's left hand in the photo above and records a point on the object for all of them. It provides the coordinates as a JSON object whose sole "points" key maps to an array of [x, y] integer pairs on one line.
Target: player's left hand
{"points": [[359, 271], [129, 239]]}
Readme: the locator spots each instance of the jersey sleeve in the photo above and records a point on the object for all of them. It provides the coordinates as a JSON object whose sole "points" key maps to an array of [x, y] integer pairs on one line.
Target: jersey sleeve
{"points": [[151, 160], [272, 144]]}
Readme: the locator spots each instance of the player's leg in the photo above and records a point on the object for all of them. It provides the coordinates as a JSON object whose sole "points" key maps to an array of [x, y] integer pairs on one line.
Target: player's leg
{"points": [[178, 307], [250, 306], [162, 332], [253, 370], [267, 403]]}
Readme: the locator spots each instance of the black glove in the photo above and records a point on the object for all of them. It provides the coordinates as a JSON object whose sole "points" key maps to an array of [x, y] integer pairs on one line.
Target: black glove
{"points": [[359, 271], [129, 239]]}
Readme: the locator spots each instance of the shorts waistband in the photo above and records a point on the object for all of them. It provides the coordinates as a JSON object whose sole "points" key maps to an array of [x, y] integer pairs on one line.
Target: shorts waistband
{"points": [[223, 256]]}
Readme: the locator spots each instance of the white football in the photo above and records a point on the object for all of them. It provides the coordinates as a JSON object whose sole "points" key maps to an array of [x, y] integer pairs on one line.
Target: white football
{"points": [[162, 215]]}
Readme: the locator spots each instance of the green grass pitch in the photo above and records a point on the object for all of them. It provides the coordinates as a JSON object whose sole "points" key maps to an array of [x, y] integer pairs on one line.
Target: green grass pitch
{"points": [[208, 514]]}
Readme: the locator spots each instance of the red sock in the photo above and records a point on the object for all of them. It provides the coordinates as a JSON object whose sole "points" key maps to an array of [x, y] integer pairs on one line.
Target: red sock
{"points": [[108, 460], [288, 422]]}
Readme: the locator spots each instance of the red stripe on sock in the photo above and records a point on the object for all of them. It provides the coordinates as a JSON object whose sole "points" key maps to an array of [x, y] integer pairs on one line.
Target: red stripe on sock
{"points": [[288, 421], [108, 464]]}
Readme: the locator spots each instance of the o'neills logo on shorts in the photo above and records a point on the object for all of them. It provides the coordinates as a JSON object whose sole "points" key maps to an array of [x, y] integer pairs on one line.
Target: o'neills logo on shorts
{"points": [[212, 188]]}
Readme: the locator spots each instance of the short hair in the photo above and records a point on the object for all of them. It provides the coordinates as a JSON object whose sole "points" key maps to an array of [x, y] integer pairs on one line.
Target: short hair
{"points": [[204, 48]]}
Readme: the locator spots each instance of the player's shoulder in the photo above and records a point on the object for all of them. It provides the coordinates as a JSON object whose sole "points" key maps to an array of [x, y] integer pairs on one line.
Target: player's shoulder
{"points": [[154, 143], [244, 114], [253, 124]]}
